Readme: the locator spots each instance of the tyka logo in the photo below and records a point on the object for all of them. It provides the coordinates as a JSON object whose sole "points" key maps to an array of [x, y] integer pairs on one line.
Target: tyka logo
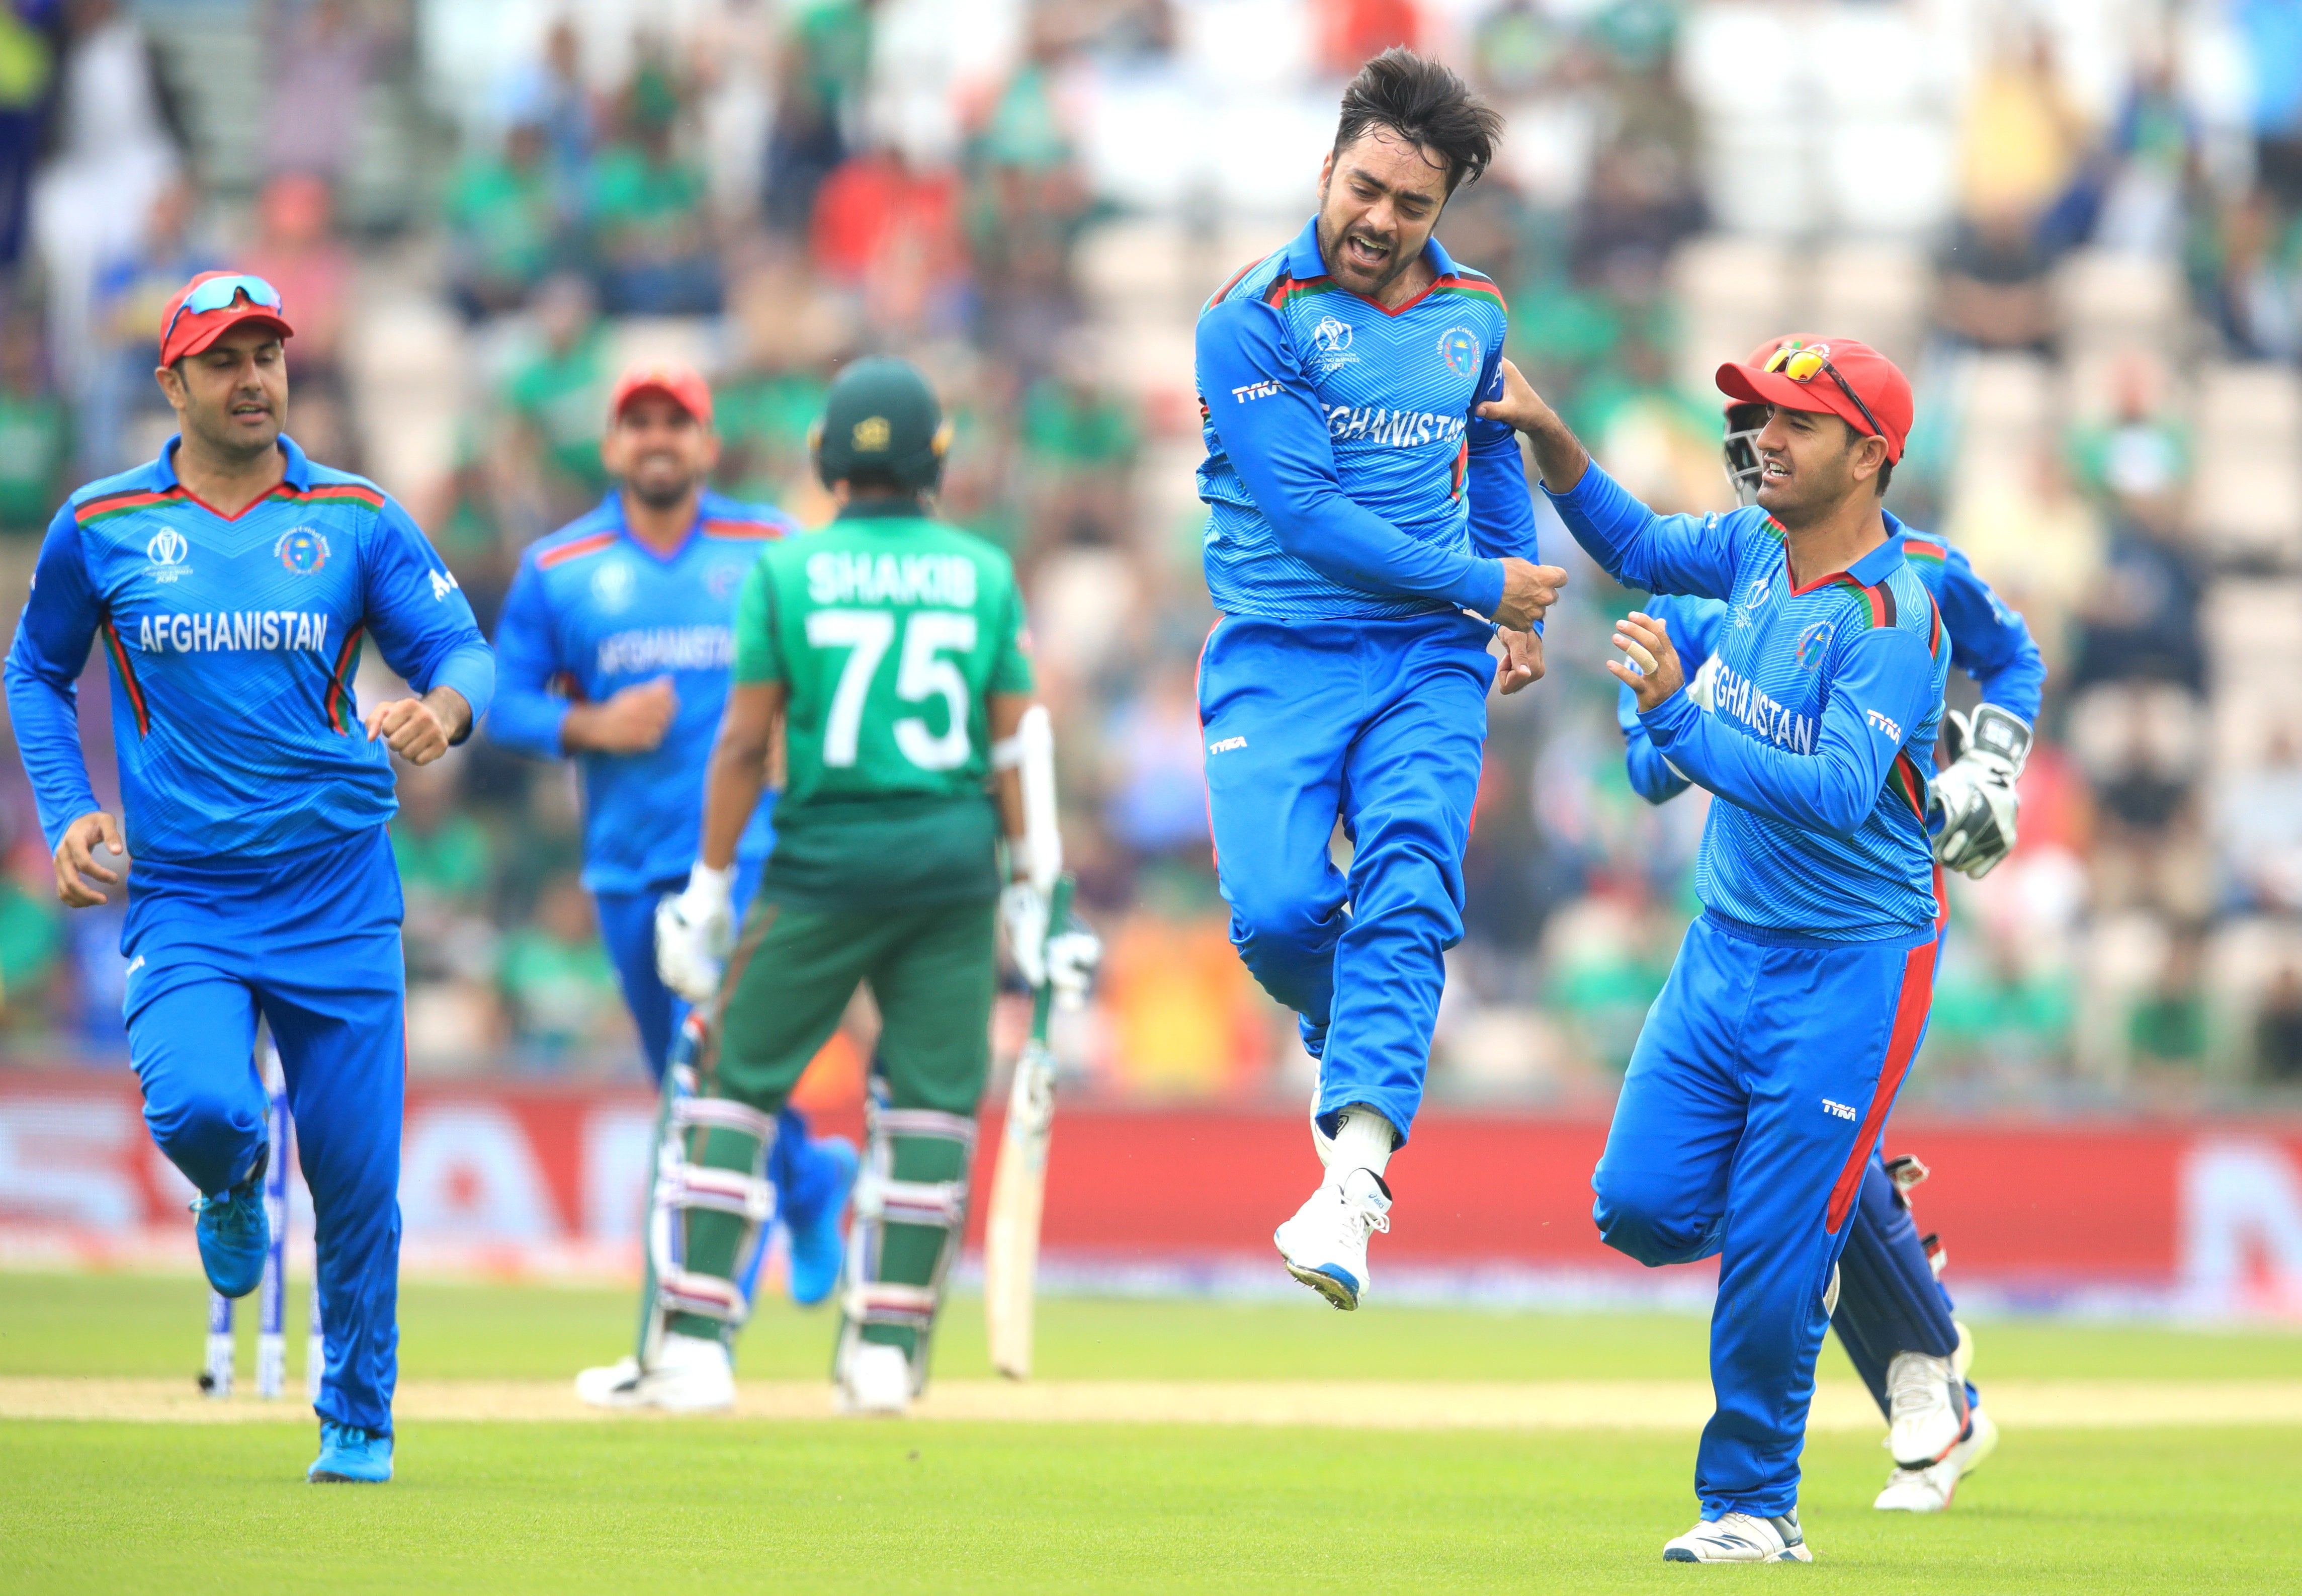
{"points": [[1892, 729], [166, 552], [1227, 745], [1840, 1110]]}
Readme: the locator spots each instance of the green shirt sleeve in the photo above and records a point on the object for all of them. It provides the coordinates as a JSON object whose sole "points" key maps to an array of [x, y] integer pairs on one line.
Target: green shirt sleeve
{"points": [[1011, 670], [757, 656]]}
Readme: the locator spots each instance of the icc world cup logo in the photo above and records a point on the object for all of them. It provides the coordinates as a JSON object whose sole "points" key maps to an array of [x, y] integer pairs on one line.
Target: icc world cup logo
{"points": [[166, 552]]}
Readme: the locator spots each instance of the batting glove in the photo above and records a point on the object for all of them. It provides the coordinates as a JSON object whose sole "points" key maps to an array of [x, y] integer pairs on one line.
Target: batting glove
{"points": [[1971, 803], [694, 931], [1073, 953], [1064, 959]]}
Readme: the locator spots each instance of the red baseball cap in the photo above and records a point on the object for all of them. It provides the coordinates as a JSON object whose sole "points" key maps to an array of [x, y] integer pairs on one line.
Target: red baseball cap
{"points": [[192, 320], [675, 380], [1876, 397]]}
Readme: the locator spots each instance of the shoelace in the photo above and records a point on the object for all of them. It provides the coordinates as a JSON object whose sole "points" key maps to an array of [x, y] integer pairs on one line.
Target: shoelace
{"points": [[1368, 1218], [242, 1222]]}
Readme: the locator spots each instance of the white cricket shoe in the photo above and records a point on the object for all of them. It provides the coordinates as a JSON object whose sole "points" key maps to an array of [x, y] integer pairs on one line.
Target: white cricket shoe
{"points": [[691, 1375], [1740, 1538], [611, 1385], [1325, 1245], [876, 1382], [1929, 1490], [1926, 1407]]}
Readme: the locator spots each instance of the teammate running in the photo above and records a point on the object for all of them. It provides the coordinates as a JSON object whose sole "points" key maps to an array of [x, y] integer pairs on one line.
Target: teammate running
{"points": [[1892, 1315], [892, 648], [234, 583], [614, 649], [1361, 523], [1766, 1068]]}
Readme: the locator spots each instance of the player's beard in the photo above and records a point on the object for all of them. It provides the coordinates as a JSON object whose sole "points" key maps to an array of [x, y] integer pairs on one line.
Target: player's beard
{"points": [[660, 492], [1331, 251]]}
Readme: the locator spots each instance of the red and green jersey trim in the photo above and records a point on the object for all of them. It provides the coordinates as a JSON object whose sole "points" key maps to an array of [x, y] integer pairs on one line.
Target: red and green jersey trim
{"points": [[1230, 282], [339, 692], [577, 550], [128, 682], [1473, 288], [1286, 291], [107, 505], [1905, 780], [1917, 549], [740, 532], [337, 494]]}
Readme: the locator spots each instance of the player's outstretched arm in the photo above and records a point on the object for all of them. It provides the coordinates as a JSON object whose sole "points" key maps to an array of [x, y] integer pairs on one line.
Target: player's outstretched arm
{"points": [[61, 616], [1275, 436], [1664, 554], [1881, 688]]}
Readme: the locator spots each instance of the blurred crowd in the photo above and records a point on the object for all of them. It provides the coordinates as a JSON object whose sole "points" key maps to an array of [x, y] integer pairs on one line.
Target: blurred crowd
{"points": [[2080, 231]]}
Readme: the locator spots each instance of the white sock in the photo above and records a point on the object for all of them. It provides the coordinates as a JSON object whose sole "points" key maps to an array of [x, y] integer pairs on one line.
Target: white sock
{"points": [[1362, 1140]]}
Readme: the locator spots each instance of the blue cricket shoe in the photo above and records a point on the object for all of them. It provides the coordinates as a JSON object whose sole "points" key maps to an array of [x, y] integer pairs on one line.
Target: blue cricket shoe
{"points": [[350, 1456], [234, 1232], [812, 1201]]}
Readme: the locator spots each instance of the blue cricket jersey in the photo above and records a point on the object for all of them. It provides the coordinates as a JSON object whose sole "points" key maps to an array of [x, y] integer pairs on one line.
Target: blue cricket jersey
{"points": [[1825, 702], [1987, 641], [1345, 476], [234, 640], [594, 610]]}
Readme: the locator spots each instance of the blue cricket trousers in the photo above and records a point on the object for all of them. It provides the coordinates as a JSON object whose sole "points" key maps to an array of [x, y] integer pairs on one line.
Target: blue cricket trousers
{"points": [[1752, 1108], [1380, 724], [311, 941]]}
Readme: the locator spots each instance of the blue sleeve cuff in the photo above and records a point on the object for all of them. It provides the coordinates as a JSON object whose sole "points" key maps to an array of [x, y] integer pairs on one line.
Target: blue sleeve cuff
{"points": [[470, 668]]}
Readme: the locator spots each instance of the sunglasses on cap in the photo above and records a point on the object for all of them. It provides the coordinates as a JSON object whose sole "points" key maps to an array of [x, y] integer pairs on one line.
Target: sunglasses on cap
{"points": [[1801, 363], [217, 293]]}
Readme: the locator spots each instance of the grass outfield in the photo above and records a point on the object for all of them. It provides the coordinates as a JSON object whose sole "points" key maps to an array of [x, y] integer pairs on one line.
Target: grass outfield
{"points": [[718, 1505]]}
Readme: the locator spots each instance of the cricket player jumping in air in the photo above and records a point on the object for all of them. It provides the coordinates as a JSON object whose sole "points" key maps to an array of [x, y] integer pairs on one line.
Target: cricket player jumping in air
{"points": [[234, 583], [1367, 539], [1893, 1314], [1767, 1068], [614, 649], [894, 649]]}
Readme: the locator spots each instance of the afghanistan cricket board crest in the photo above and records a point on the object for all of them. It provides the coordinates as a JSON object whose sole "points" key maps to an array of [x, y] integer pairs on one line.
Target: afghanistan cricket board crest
{"points": [[301, 550], [1460, 349]]}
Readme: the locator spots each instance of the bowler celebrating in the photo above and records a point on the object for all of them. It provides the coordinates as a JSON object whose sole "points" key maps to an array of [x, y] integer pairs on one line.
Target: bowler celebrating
{"points": [[234, 583], [1768, 1067], [1367, 537]]}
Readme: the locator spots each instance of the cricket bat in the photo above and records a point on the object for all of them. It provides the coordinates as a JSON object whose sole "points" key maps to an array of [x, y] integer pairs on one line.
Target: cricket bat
{"points": [[1018, 1189]]}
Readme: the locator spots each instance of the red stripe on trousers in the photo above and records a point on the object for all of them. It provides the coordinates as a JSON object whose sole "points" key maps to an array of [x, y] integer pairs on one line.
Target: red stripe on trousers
{"points": [[1909, 1022], [1199, 671]]}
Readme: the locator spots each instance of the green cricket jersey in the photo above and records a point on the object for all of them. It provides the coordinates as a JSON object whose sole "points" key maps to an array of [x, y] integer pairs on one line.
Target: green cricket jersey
{"points": [[890, 633]]}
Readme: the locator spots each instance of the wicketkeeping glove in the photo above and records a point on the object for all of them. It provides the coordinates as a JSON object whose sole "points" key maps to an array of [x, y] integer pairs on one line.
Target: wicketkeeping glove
{"points": [[694, 931], [1066, 960], [1971, 803]]}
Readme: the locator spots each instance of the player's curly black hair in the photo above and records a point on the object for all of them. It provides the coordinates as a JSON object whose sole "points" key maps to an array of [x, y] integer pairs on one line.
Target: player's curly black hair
{"points": [[1425, 103]]}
